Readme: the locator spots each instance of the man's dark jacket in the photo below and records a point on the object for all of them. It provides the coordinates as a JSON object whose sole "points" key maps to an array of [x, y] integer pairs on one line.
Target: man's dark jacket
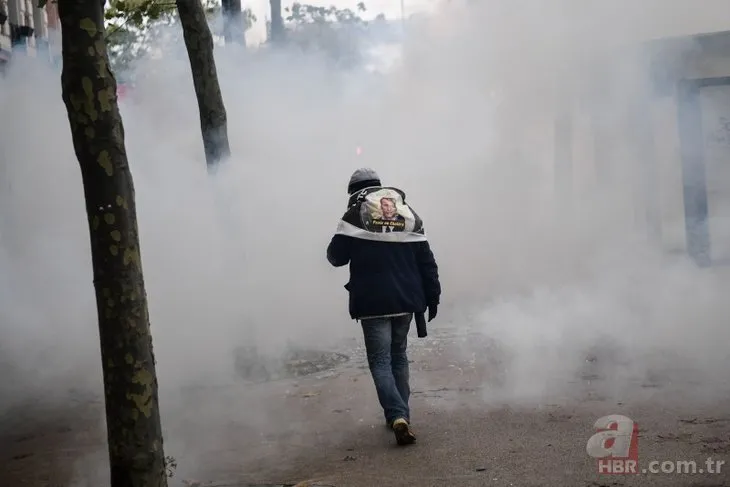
{"points": [[386, 277]]}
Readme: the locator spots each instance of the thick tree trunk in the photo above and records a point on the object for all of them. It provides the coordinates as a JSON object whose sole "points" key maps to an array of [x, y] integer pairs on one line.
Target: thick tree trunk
{"points": [[234, 31], [136, 454], [277, 22], [199, 44]]}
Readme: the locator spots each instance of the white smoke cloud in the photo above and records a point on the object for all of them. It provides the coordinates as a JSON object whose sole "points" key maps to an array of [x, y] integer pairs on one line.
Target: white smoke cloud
{"points": [[464, 126]]}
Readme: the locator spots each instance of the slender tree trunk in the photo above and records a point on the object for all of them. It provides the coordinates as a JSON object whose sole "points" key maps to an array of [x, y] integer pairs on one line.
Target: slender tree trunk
{"points": [[199, 44], [233, 27], [277, 22], [136, 454]]}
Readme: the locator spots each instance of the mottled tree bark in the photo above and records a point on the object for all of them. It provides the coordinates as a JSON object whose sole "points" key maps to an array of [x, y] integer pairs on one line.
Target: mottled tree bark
{"points": [[199, 44], [277, 22], [130, 382]]}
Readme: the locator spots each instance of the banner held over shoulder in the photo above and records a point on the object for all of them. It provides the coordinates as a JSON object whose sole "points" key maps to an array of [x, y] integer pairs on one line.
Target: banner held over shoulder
{"points": [[381, 213]]}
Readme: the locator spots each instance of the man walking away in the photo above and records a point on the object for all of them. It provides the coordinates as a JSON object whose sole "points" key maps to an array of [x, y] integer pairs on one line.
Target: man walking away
{"points": [[393, 276]]}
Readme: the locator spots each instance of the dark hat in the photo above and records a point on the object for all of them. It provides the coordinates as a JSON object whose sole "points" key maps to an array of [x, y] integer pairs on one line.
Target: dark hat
{"points": [[363, 178]]}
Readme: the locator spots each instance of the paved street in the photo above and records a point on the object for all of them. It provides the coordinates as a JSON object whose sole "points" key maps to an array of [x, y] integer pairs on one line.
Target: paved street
{"points": [[326, 428]]}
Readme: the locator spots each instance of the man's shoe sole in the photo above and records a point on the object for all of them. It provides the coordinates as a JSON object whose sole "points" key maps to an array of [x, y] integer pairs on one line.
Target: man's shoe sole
{"points": [[403, 434], [389, 424]]}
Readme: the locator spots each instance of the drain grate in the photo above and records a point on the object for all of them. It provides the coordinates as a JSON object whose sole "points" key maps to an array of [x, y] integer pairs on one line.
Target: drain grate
{"points": [[254, 367]]}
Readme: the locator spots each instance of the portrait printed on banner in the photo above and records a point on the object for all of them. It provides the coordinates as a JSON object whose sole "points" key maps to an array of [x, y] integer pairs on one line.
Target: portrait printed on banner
{"points": [[385, 211]]}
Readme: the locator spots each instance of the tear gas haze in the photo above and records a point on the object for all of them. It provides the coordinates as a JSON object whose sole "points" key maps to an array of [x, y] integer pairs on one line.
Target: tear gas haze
{"points": [[463, 123]]}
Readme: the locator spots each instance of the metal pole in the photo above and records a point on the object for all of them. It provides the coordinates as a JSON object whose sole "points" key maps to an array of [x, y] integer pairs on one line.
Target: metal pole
{"points": [[403, 12]]}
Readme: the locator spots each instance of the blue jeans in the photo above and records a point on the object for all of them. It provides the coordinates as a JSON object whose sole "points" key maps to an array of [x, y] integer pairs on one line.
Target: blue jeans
{"points": [[385, 344]]}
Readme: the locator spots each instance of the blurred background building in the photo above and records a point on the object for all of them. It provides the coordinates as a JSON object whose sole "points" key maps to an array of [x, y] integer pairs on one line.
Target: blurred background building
{"points": [[28, 30]]}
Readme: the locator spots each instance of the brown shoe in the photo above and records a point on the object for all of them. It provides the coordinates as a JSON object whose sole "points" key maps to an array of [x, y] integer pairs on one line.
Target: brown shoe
{"points": [[403, 433]]}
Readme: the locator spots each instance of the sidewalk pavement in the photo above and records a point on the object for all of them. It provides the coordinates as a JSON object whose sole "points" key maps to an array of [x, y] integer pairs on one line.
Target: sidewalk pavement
{"points": [[327, 429]]}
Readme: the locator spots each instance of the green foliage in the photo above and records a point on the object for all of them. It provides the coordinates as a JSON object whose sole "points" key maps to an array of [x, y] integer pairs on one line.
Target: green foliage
{"points": [[170, 466], [138, 12], [336, 33], [135, 25], [304, 13], [212, 8], [131, 27], [144, 12], [249, 18]]}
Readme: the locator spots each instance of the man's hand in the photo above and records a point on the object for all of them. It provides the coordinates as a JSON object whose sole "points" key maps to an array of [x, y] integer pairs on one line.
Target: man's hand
{"points": [[338, 251], [432, 310]]}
